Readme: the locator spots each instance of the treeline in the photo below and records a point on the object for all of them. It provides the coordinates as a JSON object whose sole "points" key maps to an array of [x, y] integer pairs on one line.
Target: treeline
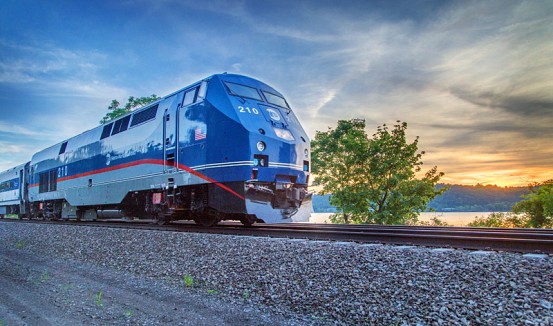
{"points": [[478, 198], [458, 198]]}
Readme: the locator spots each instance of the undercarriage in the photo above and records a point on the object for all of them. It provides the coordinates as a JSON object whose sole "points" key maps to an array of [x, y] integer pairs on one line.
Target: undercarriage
{"points": [[206, 204]]}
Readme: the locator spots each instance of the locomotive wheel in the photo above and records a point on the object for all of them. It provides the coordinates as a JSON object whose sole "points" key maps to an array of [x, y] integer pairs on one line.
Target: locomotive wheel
{"points": [[248, 220], [209, 217], [163, 219]]}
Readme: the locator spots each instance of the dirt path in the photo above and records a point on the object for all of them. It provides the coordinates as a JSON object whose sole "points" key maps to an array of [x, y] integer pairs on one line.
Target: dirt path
{"points": [[42, 291]]}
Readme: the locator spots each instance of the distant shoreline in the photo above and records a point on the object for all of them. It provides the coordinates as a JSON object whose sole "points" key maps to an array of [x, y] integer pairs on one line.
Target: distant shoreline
{"points": [[451, 218]]}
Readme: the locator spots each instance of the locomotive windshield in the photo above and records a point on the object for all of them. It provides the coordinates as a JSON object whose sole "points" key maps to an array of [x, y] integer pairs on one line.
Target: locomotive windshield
{"points": [[275, 99], [243, 91]]}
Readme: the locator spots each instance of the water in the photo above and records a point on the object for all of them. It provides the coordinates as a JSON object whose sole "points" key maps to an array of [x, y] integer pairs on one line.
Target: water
{"points": [[451, 218]]}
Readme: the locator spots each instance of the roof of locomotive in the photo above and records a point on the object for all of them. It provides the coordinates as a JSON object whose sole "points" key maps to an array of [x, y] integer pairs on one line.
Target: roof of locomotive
{"points": [[93, 134]]}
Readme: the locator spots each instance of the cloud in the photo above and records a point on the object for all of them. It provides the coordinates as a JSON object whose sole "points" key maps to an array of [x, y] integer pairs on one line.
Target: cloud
{"points": [[507, 66], [236, 67], [54, 70], [528, 106], [47, 83], [25, 63], [475, 80], [13, 153], [9, 148], [14, 129]]}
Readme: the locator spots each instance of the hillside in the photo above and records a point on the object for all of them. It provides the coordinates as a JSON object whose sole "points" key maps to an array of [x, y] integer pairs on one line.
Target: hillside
{"points": [[458, 198], [477, 198]]}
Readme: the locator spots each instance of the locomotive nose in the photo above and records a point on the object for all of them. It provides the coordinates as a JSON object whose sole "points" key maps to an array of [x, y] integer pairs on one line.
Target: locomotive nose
{"points": [[278, 202]]}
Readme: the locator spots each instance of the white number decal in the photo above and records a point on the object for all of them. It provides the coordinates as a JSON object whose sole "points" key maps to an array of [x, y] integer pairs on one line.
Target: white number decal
{"points": [[62, 172], [248, 110]]}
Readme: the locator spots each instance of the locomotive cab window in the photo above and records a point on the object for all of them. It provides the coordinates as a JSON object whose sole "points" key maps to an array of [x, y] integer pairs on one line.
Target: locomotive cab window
{"points": [[202, 91], [189, 97], [276, 100], [243, 91]]}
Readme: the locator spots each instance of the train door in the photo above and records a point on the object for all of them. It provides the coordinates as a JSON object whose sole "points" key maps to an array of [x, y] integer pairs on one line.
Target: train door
{"points": [[23, 189], [193, 128]]}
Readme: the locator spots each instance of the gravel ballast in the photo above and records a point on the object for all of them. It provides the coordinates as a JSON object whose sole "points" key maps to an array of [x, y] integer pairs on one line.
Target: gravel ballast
{"points": [[312, 282]]}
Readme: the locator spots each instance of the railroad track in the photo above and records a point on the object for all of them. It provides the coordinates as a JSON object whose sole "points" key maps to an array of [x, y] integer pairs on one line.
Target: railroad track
{"points": [[517, 240]]}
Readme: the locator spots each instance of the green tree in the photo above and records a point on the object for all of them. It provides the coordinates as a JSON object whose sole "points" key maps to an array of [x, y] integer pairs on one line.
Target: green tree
{"points": [[372, 180], [537, 206], [115, 111], [338, 157]]}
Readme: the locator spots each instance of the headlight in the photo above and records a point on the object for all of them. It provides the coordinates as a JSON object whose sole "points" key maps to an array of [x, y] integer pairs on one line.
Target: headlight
{"points": [[260, 146], [284, 134]]}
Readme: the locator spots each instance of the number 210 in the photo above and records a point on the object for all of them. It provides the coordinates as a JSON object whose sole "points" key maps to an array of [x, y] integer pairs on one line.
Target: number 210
{"points": [[248, 110]]}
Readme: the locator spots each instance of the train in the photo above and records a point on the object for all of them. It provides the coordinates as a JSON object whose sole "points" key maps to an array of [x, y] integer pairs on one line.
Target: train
{"points": [[228, 147]]}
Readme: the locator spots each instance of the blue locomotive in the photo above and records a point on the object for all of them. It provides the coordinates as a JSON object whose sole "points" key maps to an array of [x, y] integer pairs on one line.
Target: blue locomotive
{"points": [[228, 147]]}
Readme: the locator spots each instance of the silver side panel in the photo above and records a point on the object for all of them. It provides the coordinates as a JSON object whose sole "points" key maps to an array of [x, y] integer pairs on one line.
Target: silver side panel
{"points": [[83, 193]]}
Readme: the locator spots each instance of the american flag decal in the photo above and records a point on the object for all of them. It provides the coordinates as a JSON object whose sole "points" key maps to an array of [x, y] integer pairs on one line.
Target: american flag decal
{"points": [[199, 134]]}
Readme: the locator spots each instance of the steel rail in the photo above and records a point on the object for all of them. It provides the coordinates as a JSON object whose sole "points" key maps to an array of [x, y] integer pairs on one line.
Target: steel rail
{"points": [[471, 232], [516, 240], [423, 227]]}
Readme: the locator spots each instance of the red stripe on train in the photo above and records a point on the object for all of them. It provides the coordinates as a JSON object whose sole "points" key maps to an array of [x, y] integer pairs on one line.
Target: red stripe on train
{"points": [[147, 161]]}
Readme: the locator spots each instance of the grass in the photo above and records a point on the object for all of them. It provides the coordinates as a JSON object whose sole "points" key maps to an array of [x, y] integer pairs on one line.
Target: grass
{"points": [[36, 279], [128, 313], [98, 298], [214, 292], [20, 244], [44, 277], [318, 318], [188, 281], [246, 295], [67, 289]]}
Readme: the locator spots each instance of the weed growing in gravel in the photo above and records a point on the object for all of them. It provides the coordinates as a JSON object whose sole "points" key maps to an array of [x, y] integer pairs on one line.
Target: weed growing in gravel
{"points": [[2, 322], [214, 292], [98, 298], [188, 281], [67, 289], [128, 313], [44, 277], [246, 295], [20, 244], [321, 319]]}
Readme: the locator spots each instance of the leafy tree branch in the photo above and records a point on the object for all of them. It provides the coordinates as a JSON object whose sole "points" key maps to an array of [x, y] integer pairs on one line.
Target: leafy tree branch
{"points": [[115, 111]]}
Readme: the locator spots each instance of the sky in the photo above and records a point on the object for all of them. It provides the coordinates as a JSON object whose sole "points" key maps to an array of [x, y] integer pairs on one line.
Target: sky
{"points": [[472, 79]]}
